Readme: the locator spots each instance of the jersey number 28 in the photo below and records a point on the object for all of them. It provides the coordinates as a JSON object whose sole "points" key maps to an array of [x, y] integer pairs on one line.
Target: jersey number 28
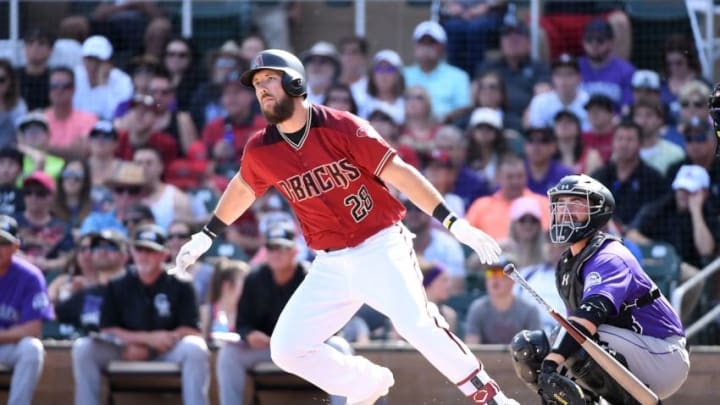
{"points": [[360, 204]]}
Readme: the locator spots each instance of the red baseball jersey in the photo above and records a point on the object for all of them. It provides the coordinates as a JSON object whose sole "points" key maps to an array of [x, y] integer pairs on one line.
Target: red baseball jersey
{"points": [[330, 177]]}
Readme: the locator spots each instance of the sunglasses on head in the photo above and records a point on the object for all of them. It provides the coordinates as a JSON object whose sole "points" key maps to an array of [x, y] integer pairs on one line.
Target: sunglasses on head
{"points": [[38, 192], [60, 85], [694, 103], [132, 190]]}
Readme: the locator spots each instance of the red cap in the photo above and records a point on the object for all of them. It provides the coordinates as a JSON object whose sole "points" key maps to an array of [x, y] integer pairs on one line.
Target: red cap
{"points": [[41, 177]]}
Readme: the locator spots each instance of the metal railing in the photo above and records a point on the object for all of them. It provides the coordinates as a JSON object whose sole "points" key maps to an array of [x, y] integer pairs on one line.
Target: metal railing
{"points": [[679, 293]]}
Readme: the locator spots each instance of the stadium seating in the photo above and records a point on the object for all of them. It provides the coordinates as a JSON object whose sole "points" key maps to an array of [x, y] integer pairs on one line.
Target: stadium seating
{"points": [[662, 263]]}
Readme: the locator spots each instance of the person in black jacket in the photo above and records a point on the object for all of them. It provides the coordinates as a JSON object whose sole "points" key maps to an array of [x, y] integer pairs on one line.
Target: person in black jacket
{"points": [[147, 314]]}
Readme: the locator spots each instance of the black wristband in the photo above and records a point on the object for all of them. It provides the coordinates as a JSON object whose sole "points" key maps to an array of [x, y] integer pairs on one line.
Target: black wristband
{"points": [[215, 227], [548, 366], [443, 214]]}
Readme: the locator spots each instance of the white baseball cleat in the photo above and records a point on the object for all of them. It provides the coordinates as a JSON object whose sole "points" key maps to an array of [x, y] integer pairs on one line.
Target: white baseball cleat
{"points": [[386, 381]]}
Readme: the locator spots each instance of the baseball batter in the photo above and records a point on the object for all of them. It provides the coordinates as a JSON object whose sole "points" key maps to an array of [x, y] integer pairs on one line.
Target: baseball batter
{"points": [[332, 167], [608, 296]]}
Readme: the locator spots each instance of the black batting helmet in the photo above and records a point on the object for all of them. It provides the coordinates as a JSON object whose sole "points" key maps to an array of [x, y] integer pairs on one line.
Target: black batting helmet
{"points": [[293, 78], [600, 208]]}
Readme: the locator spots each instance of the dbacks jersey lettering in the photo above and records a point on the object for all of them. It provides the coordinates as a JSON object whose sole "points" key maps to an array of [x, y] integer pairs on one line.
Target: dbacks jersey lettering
{"points": [[334, 169]]}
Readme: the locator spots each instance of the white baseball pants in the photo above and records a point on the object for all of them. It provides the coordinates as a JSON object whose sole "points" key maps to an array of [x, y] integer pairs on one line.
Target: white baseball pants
{"points": [[382, 272]]}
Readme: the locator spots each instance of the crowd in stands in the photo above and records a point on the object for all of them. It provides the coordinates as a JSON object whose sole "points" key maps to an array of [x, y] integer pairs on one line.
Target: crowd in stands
{"points": [[108, 167]]}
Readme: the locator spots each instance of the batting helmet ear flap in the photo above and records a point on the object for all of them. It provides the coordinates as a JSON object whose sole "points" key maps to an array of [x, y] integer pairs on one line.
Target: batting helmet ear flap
{"points": [[294, 87]]}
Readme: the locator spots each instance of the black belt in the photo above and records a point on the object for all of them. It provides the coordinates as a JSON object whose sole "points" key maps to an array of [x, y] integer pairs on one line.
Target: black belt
{"points": [[646, 299], [332, 249]]}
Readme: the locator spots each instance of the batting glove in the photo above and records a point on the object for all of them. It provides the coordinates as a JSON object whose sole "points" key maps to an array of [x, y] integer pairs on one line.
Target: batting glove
{"points": [[483, 244], [198, 244]]}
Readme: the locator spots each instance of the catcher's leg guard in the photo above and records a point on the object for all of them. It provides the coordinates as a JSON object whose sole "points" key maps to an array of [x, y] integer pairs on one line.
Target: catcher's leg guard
{"points": [[528, 349], [595, 379]]}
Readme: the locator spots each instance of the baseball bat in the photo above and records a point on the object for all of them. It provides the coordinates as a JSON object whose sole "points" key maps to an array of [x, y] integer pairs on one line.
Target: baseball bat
{"points": [[614, 368]]}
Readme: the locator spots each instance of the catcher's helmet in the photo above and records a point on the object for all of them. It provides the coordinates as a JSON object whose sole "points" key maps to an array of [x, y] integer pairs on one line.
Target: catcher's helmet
{"points": [[600, 205], [293, 78]]}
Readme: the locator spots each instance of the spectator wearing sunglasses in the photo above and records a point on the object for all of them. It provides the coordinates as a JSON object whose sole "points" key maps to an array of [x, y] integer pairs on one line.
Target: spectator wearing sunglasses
{"points": [[385, 86], [103, 144], [656, 151], [201, 272], [127, 185], [496, 317], [47, 240], [700, 148], [526, 240], [34, 143], [79, 273], [108, 255], [69, 126], [72, 200], [543, 170]]}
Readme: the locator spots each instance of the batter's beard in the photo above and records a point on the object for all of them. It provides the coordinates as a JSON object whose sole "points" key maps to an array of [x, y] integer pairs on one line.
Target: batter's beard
{"points": [[281, 111]]}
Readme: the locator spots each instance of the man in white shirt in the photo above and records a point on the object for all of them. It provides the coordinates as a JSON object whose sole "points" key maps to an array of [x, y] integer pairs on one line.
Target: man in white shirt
{"points": [[566, 95], [99, 86]]}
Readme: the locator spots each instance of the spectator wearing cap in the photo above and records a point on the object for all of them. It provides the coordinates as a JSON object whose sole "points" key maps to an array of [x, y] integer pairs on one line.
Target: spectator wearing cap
{"points": [[108, 255], [11, 163], [23, 312], [100, 87], [382, 119], [602, 71], [511, 180], [646, 86], [448, 86], [572, 151], [34, 142], [127, 185], [353, 57], [102, 145], [47, 240], [436, 245], [206, 104], [632, 181], [700, 142], [543, 169], [601, 113], [34, 76], [438, 288], [166, 201], [469, 184], [567, 94], [12, 105], [69, 126], [526, 242], [322, 68], [486, 143], [140, 132], [385, 86], [656, 151], [154, 314], [225, 137], [523, 76], [496, 317], [684, 218], [471, 26], [266, 291]]}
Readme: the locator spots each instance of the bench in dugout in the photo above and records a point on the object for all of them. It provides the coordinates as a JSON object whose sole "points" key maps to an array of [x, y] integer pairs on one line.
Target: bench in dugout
{"points": [[142, 377], [267, 378]]}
